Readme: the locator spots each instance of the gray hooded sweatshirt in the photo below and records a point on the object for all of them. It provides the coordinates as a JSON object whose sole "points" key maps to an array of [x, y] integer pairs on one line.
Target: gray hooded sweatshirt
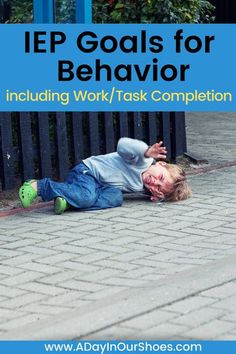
{"points": [[122, 169]]}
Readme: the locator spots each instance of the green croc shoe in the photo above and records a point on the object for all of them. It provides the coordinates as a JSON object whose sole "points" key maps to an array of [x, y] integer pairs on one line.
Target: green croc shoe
{"points": [[27, 194], [60, 205]]}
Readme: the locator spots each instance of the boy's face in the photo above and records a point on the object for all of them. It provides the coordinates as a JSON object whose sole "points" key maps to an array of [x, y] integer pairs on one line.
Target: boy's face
{"points": [[157, 180]]}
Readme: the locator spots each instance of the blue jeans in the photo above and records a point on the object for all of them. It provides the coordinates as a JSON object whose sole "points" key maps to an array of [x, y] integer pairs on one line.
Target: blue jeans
{"points": [[81, 190]]}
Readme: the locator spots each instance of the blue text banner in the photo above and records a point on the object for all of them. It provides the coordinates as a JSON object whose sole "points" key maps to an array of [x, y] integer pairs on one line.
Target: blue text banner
{"points": [[117, 67]]}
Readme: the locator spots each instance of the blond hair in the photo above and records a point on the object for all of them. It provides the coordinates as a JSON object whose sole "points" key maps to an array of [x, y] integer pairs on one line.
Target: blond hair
{"points": [[179, 189]]}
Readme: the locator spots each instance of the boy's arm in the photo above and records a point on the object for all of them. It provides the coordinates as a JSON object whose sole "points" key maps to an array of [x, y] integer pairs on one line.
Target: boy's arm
{"points": [[132, 150], [157, 151], [136, 151]]}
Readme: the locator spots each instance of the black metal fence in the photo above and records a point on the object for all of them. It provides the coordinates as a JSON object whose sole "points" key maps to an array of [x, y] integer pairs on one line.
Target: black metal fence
{"points": [[37, 145], [225, 11], [4, 11]]}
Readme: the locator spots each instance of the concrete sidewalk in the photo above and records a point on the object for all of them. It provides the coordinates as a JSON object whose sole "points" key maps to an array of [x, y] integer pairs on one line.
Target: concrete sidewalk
{"points": [[53, 266], [211, 135], [142, 271]]}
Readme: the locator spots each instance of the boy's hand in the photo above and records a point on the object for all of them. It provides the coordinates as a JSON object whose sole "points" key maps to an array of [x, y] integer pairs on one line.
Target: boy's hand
{"points": [[156, 194], [156, 151]]}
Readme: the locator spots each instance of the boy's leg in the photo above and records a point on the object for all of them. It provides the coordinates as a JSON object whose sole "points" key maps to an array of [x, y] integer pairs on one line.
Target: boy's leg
{"points": [[88, 195], [81, 190], [80, 193], [108, 197]]}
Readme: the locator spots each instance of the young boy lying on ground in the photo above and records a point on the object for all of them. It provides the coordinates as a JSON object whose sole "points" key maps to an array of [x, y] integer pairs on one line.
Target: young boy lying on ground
{"points": [[98, 181]]}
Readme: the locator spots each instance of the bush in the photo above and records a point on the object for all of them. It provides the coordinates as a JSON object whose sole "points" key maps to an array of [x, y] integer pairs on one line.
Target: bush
{"points": [[124, 11], [153, 11], [65, 11], [21, 11]]}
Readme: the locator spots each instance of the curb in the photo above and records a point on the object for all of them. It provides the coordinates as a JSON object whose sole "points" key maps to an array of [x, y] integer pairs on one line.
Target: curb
{"points": [[211, 168], [10, 212]]}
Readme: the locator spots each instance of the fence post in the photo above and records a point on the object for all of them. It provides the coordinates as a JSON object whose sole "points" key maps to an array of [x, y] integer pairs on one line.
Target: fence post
{"points": [[44, 11], [7, 170], [225, 11], [178, 134], [83, 11], [166, 133], [1, 11], [26, 146], [5, 11]]}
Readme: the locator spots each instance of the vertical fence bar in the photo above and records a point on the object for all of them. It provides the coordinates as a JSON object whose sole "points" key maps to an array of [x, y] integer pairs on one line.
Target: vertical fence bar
{"points": [[62, 145], [7, 173], [153, 133], [78, 136], [178, 133], [44, 11], [26, 146], [94, 133], [123, 119], [44, 145], [2, 11], [166, 129], [5, 11], [83, 11], [109, 132], [138, 128]]}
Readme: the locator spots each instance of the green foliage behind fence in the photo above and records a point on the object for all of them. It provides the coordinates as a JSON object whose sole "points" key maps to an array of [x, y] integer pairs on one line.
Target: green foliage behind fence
{"points": [[124, 11]]}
